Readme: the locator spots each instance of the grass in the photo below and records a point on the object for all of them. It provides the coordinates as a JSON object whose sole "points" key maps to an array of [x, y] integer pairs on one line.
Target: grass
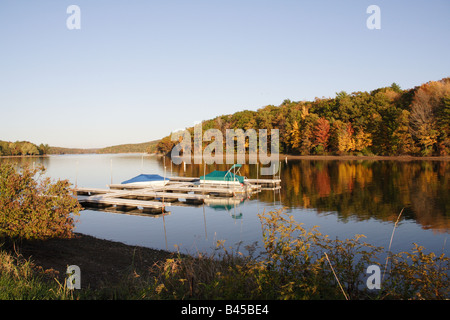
{"points": [[291, 264], [19, 280]]}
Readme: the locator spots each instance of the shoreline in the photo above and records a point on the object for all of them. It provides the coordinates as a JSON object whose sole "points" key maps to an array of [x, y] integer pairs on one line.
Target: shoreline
{"points": [[27, 156], [288, 157], [371, 158], [283, 157]]}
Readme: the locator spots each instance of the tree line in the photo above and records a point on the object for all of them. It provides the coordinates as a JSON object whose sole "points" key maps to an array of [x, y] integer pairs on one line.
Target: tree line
{"points": [[130, 148], [387, 121], [22, 148]]}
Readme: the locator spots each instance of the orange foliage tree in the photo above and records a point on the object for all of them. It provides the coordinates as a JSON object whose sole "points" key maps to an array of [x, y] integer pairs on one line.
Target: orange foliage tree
{"points": [[322, 135], [34, 207]]}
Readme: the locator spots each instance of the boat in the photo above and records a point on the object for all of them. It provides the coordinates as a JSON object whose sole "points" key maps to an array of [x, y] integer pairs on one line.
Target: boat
{"points": [[146, 180], [223, 178]]}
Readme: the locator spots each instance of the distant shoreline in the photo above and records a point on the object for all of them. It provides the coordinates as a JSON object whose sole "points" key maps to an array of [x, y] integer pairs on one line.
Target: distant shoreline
{"points": [[27, 156]]}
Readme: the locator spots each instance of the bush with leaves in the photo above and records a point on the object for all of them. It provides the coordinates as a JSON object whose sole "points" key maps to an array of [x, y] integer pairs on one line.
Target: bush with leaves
{"points": [[33, 206], [300, 264], [418, 275]]}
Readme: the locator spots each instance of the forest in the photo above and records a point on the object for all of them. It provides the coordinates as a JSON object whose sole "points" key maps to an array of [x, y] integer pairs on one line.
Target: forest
{"points": [[387, 121], [130, 148], [22, 148]]}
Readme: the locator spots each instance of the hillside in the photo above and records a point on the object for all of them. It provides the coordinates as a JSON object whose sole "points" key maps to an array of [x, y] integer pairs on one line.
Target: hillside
{"points": [[60, 150], [387, 121], [149, 147]]}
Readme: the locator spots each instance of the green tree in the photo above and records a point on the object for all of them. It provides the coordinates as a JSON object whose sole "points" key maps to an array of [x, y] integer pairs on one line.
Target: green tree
{"points": [[43, 149], [4, 148], [396, 87], [27, 148]]}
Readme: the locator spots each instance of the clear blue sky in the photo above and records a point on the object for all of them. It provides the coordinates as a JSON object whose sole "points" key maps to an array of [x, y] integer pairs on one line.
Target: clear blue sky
{"points": [[137, 70]]}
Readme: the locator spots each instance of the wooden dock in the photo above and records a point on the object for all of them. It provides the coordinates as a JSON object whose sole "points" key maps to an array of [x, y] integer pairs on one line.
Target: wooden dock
{"points": [[120, 202], [253, 182], [147, 199], [264, 182], [177, 191]]}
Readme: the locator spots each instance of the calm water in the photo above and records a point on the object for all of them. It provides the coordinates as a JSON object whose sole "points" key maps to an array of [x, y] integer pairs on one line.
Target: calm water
{"points": [[343, 198]]}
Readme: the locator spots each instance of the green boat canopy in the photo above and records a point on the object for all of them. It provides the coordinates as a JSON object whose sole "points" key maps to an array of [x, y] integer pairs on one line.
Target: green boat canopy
{"points": [[222, 176]]}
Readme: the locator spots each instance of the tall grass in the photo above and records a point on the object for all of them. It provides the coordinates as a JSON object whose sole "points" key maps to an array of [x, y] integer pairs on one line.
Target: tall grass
{"points": [[21, 280], [292, 263]]}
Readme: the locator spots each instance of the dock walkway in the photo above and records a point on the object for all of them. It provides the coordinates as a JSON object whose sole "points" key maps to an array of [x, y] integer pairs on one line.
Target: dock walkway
{"points": [[253, 182], [177, 191]]}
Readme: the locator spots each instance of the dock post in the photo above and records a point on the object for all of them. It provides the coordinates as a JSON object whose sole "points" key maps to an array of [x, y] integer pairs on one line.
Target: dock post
{"points": [[257, 173], [111, 172], [204, 178]]}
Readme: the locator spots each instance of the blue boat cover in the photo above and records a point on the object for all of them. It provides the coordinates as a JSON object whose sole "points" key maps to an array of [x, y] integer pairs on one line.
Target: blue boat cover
{"points": [[145, 178]]}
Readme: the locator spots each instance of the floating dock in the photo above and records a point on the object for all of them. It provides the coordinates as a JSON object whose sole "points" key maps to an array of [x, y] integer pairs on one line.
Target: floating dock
{"points": [[253, 182], [177, 191]]}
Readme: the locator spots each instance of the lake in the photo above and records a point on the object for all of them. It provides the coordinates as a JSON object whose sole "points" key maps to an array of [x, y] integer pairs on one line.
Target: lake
{"points": [[342, 197]]}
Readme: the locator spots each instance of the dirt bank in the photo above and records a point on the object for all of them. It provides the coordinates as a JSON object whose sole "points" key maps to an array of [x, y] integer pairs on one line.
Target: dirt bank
{"points": [[100, 261]]}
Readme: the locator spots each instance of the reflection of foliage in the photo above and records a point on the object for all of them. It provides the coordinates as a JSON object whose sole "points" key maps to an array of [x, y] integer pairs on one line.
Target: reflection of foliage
{"points": [[357, 189], [365, 189]]}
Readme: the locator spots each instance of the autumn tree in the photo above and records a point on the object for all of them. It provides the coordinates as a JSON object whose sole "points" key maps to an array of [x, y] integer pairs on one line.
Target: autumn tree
{"points": [[343, 140], [424, 113], [307, 139], [402, 139], [165, 145], [384, 121], [34, 207], [443, 125], [294, 137], [321, 135], [362, 141]]}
